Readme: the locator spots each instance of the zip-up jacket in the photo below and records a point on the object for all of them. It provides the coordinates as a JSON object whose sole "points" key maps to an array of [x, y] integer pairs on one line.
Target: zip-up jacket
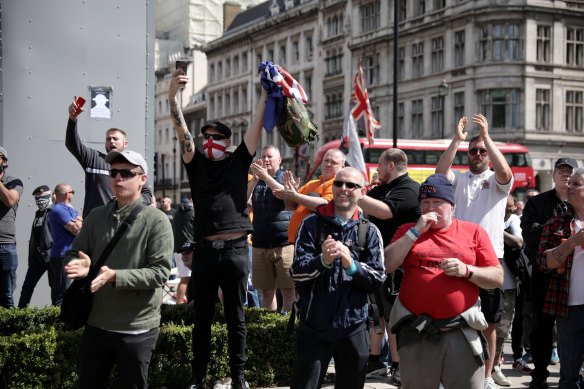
{"points": [[97, 181], [332, 304], [270, 216]]}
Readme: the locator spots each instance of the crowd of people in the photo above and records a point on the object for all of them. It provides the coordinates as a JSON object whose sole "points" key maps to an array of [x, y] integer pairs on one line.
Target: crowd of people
{"points": [[440, 272]]}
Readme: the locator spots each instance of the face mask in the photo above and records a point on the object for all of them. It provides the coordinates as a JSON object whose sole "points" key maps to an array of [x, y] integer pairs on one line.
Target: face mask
{"points": [[214, 149], [43, 201]]}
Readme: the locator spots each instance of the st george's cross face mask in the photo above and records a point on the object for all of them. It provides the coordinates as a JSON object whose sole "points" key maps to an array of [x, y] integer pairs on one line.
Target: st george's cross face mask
{"points": [[214, 149]]}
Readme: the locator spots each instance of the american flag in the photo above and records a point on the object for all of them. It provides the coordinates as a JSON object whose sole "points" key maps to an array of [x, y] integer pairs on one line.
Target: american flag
{"points": [[361, 108]]}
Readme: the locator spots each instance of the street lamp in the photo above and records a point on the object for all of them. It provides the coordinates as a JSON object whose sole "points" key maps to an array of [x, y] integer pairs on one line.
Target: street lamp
{"points": [[442, 92]]}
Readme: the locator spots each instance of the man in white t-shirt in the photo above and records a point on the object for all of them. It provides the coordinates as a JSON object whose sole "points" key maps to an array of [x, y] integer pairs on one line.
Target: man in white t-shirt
{"points": [[481, 195]]}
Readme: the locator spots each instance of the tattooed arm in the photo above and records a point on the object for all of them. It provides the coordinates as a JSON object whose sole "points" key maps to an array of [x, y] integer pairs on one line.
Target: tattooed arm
{"points": [[187, 146]]}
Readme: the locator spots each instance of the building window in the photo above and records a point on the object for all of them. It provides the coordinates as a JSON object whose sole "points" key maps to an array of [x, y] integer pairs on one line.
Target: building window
{"points": [[400, 120], [271, 55], [334, 26], [236, 102], [501, 106], [166, 135], [227, 67], [159, 136], [458, 105], [159, 107], [167, 107], [211, 73], [333, 105], [542, 109], [574, 108], [219, 106], [371, 70], [402, 11], [244, 100], [244, 62], [259, 58], [417, 118], [459, 48], [212, 108], [308, 86], [543, 44], [419, 7], [334, 63], [308, 47], [438, 117], [370, 16], [283, 54], [439, 4], [296, 48], [575, 46], [418, 59], [236, 64], [219, 71], [401, 64], [500, 42], [227, 104], [437, 55]]}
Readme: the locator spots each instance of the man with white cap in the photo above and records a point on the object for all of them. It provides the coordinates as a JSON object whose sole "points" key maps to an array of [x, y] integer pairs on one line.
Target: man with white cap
{"points": [[10, 191], [123, 322]]}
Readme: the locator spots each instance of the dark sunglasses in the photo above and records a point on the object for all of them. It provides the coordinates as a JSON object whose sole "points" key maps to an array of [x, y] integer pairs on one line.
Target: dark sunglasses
{"points": [[125, 173], [214, 136], [475, 151], [72, 192], [349, 185], [510, 210]]}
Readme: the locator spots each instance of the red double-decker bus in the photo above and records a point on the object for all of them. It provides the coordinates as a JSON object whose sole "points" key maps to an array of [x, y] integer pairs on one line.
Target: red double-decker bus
{"points": [[423, 155]]}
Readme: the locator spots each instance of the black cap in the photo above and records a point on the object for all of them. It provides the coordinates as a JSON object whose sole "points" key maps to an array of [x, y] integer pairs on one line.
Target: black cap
{"points": [[41, 189], [222, 128], [188, 246], [566, 161]]}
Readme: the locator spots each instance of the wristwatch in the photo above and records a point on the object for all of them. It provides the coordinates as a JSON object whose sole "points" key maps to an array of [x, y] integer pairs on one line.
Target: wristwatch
{"points": [[470, 271]]}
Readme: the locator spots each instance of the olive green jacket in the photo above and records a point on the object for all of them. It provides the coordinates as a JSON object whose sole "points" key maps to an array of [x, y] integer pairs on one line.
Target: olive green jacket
{"points": [[142, 260]]}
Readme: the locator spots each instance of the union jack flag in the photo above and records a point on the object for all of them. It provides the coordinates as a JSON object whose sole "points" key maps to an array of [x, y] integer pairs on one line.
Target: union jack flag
{"points": [[361, 108]]}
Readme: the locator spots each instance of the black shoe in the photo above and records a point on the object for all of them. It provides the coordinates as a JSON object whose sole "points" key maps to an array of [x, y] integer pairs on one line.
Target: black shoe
{"points": [[239, 383], [395, 376], [535, 384], [197, 383], [376, 369]]}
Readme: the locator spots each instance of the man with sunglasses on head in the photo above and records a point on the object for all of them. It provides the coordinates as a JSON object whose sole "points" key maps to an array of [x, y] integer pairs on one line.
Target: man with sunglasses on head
{"points": [[219, 190], [65, 226], [97, 184], [481, 196], [122, 327], [334, 271]]}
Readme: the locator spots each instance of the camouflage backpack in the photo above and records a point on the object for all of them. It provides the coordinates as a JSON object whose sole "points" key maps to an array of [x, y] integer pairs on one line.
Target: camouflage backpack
{"points": [[295, 125]]}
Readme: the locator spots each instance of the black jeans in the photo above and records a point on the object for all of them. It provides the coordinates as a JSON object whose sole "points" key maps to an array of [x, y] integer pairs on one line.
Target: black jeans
{"points": [[37, 266], [312, 357], [227, 268], [100, 349], [541, 338], [58, 280]]}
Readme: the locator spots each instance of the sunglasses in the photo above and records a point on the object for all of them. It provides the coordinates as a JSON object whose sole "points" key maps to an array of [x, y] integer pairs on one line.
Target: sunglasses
{"points": [[510, 211], [125, 173], [349, 185], [72, 192], [214, 136], [475, 151]]}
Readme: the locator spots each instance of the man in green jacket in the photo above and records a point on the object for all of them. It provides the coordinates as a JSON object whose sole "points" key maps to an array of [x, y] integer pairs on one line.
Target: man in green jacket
{"points": [[122, 327]]}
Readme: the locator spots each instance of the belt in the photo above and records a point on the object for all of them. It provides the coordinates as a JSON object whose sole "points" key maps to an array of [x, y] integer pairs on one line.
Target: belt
{"points": [[220, 244]]}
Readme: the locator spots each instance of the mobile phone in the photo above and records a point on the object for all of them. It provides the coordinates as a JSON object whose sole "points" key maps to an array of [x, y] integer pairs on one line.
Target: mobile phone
{"points": [[182, 66], [79, 102]]}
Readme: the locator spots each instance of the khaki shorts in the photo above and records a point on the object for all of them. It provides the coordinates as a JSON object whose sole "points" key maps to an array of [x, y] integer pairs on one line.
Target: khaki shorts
{"points": [[271, 267]]}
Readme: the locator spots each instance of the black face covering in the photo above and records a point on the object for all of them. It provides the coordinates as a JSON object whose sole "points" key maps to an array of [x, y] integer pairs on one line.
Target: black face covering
{"points": [[43, 201], [1, 166]]}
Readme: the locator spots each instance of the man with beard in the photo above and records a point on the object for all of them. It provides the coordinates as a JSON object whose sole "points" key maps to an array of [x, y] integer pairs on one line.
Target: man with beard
{"points": [[219, 190], [97, 181], [39, 245], [481, 197]]}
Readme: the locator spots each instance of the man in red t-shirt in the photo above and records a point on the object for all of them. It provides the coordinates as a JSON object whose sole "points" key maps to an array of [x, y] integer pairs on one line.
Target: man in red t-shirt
{"points": [[445, 261]]}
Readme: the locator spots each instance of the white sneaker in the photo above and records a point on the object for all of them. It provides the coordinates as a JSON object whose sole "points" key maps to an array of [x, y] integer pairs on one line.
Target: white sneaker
{"points": [[490, 384], [499, 377]]}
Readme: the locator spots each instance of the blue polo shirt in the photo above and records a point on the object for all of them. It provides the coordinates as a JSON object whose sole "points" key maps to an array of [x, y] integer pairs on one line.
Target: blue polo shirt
{"points": [[59, 217]]}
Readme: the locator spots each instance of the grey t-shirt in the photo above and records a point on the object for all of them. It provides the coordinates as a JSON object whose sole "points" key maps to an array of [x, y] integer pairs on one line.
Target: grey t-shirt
{"points": [[8, 215]]}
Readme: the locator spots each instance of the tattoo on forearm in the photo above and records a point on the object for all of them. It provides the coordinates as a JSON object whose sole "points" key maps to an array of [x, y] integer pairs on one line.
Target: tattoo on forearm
{"points": [[558, 256], [186, 145], [176, 114]]}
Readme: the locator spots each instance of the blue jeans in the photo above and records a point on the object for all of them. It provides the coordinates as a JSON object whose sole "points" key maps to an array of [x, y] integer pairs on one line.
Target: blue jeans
{"points": [[571, 346], [8, 265], [57, 280]]}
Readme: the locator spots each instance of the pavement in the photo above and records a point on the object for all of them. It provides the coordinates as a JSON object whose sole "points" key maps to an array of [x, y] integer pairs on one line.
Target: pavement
{"points": [[518, 379]]}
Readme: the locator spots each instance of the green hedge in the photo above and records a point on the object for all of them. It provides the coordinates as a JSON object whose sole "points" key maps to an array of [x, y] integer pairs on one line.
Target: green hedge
{"points": [[36, 351]]}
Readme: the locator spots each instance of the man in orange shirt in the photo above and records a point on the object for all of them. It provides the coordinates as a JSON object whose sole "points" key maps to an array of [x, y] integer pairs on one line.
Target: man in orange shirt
{"points": [[314, 193]]}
